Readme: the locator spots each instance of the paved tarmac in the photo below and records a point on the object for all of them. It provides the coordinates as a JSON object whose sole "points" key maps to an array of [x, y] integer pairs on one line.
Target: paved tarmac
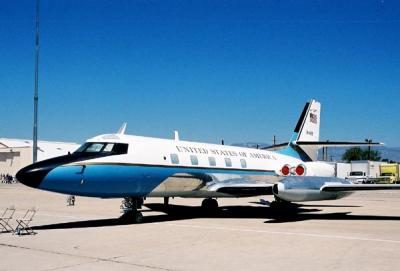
{"points": [[361, 232]]}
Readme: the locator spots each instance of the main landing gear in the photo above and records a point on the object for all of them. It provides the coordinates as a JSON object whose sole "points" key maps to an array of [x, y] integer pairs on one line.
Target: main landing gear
{"points": [[209, 204], [130, 206], [279, 204], [166, 201]]}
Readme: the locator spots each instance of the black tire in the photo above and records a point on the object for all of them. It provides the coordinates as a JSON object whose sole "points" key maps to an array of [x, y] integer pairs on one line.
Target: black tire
{"points": [[138, 217], [209, 204], [281, 204]]}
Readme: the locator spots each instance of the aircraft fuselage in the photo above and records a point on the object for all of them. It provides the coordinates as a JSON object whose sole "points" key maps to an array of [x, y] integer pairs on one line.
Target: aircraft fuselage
{"points": [[143, 166]]}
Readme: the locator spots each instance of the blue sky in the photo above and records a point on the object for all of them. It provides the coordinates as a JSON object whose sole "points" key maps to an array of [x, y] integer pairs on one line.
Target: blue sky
{"points": [[238, 70]]}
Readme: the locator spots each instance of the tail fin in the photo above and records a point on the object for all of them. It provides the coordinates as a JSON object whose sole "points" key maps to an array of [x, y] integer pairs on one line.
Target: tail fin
{"points": [[306, 130], [305, 143]]}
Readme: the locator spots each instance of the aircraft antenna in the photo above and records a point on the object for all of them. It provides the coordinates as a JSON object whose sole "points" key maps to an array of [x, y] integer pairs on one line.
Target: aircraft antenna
{"points": [[36, 96], [122, 130], [176, 135]]}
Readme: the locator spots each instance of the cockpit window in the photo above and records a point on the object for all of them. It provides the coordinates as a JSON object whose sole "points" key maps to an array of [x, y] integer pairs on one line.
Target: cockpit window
{"points": [[120, 148], [96, 147], [82, 148], [103, 147], [109, 147]]}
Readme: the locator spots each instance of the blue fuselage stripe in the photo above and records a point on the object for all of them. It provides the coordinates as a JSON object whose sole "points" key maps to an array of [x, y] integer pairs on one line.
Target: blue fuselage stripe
{"points": [[121, 180]]}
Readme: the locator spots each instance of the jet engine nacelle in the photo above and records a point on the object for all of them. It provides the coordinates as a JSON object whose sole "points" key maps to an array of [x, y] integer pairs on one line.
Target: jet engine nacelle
{"points": [[299, 188]]}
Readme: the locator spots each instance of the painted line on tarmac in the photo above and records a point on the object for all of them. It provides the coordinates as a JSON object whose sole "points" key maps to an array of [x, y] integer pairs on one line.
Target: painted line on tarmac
{"points": [[326, 236], [93, 259]]}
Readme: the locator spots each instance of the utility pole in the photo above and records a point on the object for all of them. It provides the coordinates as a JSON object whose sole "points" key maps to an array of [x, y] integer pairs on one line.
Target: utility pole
{"points": [[326, 153], [274, 140], [369, 147], [36, 96]]}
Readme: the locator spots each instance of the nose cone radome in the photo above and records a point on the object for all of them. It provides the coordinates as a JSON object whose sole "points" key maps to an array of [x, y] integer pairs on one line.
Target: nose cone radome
{"points": [[32, 175]]}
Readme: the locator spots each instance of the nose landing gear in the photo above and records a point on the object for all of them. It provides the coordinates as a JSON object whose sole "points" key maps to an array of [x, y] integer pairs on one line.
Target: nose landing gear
{"points": [[131, 206]]}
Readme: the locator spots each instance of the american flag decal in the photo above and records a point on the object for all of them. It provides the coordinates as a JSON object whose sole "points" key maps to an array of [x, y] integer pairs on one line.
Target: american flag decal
{"points": [[313, 118]]}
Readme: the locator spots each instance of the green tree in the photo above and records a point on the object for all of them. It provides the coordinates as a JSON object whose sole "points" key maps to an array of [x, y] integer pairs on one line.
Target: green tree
{"points": [[371, 155], [356, 153]]}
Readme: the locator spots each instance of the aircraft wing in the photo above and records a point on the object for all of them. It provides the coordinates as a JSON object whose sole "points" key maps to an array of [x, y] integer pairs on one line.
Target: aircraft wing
{"points": [[358, 187], [241, 187]]}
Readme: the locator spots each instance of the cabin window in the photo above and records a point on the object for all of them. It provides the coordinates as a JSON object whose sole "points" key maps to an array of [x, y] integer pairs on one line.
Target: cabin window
{"points": [[194, 160], [174, 158], [211, 161], [228, 162], [243, 163]]}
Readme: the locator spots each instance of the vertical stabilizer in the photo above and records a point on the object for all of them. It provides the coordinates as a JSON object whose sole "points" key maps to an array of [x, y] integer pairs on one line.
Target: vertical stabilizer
{"points": [[306, 130], [309, 130]]}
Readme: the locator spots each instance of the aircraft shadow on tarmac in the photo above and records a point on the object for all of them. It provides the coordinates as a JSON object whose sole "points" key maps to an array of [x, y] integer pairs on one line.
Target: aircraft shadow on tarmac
{"points": [[293, 213]]}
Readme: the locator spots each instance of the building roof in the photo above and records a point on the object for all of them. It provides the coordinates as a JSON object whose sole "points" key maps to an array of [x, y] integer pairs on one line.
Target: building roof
{"points": [[46, 149]]}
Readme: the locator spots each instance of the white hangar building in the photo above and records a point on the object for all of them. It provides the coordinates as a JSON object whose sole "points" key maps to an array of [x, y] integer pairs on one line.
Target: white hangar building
{"points": [[17, 153]]}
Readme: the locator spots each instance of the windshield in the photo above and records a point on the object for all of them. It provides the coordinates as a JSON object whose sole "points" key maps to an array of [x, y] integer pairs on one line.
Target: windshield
{"points": [[103, 147], [356, 173], [387, 174]]}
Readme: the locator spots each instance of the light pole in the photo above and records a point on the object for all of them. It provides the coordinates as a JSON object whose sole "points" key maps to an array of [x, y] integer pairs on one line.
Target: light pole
{"points": [[36, 95]]}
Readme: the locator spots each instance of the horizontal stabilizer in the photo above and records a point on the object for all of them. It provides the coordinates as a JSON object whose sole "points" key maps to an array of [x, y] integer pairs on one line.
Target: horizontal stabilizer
{"points": [[335, 143], [275, 147], [321, 144], [358, 187]]}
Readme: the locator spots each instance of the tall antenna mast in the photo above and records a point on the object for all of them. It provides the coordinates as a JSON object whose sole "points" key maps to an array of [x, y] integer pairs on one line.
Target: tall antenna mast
{"points": [[36, 97]]}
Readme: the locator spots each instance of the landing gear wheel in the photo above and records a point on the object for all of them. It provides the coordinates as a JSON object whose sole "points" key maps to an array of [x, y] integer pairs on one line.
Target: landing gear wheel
{"points": [[132, 217], [130, 206], [209, 204], [279, 204], [274, 204], [138, 217]]}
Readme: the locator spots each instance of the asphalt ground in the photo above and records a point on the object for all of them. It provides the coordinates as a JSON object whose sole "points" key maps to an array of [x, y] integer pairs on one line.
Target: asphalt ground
{"points": [[361, 232]]}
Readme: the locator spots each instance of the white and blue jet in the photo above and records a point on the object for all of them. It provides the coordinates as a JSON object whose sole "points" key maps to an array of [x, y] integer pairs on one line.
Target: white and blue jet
{"points": [[135, 167]]}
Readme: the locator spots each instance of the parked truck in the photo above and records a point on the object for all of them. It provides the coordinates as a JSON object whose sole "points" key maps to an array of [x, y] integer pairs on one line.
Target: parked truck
{"points": [[342, 169], [389, 173], [363, 171]]}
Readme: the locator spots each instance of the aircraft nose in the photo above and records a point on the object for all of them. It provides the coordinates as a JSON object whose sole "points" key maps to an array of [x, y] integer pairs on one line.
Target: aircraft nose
{"points": [[33, 175]]}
